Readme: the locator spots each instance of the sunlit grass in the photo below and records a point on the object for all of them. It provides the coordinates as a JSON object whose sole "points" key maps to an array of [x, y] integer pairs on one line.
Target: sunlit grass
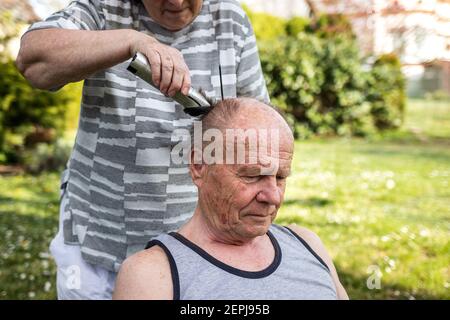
{"points": [[382, 202], [377, 204], [430, 118], [28, 221]]}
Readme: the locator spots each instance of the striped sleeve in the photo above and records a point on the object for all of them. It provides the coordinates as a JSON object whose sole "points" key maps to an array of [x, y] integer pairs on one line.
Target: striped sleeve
{"points": [[78, 15], [250, 78]]}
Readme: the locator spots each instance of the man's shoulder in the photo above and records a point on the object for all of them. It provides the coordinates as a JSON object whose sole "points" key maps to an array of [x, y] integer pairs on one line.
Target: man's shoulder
{"points": [[313, 241], [154, 255], [306, 234], [145, 275], [302, 232], [316, 244]]}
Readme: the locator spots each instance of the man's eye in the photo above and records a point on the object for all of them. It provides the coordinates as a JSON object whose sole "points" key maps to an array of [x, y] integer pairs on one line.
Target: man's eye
{"points": [[281, 178], [251, 178]]}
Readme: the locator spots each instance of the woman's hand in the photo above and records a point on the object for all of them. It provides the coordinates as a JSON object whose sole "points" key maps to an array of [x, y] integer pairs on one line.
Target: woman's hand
{"points": [[169, 70]]}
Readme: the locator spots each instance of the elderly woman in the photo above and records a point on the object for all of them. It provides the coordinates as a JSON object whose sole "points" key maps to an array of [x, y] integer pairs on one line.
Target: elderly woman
{"points": [[121, 187]]}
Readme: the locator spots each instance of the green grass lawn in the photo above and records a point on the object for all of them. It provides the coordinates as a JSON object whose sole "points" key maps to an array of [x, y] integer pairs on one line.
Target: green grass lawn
{"points": [[28, 221], [380, 203]]}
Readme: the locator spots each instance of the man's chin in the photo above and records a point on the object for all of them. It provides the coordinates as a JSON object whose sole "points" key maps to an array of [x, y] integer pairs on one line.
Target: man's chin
{"points": [[257, 230]]}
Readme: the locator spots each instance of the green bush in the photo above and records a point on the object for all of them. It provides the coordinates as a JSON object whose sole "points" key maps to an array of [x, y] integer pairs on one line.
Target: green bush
{"points": [[343, 104], [26, 114], [28, 117], [295, 80], [314, 72], [328, 26], [386, 92], [320, 82], [296, 25], [47, 157], [266, 26]]}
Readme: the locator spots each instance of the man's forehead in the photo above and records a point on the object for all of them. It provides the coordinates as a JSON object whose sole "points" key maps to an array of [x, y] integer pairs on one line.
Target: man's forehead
{"points": [[255, 140], [258, 168]]}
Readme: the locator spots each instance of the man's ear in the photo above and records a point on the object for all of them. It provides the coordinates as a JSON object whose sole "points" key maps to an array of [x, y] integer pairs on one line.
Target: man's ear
{"points": [[196, 167]]}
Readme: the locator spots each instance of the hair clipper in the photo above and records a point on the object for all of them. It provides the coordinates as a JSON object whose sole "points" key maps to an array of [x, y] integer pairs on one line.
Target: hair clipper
{"points": [[194, 102]]}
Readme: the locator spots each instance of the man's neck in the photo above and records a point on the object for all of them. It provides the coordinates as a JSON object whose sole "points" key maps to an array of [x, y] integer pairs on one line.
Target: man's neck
{"points": [[251, 255], [202, 233]]}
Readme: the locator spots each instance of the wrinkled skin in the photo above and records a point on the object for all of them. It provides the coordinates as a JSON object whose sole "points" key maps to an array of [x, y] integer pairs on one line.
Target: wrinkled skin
{"points": [[236, 202], [240, 203]]}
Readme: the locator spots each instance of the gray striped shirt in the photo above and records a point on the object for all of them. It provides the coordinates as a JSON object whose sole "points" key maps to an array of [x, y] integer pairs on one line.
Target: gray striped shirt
{"points": [[122, 186]]}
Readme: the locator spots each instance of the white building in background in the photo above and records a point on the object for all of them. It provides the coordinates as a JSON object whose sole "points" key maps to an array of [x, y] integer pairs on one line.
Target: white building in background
{"points": [[417, 30]]}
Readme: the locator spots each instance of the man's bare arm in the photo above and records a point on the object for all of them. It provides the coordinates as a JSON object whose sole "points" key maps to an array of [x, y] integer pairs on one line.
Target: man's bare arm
{"points": [[316, 244], [145, 276]]}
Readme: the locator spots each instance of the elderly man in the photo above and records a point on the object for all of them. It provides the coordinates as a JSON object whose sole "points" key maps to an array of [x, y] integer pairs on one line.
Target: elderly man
{"points": [[230, 249], [121, 186]]}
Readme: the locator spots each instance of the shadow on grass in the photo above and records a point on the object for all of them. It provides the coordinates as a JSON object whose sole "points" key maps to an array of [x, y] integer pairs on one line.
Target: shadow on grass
{"points": [[411, 135], [26, 269], [432, 150], [45, 202], [309, 202], [427, 155]]}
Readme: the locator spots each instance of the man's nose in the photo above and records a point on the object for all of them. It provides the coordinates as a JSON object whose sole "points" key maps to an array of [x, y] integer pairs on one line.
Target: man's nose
{"points": [[270, 193]]}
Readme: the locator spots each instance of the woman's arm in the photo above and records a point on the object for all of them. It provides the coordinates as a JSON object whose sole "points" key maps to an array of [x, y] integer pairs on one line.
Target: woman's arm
{"points": [[50, 58]]}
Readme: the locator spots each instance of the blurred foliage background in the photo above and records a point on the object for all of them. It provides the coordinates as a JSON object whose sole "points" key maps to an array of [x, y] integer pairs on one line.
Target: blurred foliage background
{"points": [[33, 122], [370, 175], [315, 72]]}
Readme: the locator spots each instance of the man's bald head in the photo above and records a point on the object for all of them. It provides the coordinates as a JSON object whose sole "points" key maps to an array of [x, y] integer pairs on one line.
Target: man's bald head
{"points": [[241, 174], [240, 130], [245, 113]]}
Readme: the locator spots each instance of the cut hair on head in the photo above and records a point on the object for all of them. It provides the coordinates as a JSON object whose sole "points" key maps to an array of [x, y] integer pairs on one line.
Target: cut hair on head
{"points": [[223, 111]]}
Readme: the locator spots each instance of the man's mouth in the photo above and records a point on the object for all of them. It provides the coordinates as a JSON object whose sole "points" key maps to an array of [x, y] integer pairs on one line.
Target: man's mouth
{"points": [[258, 215]]}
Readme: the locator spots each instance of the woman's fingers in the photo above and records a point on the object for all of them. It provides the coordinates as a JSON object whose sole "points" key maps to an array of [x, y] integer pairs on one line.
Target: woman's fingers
{"points": [[180, 73], [169, 70], [177, 81], [186, 84], [154, 59]]}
